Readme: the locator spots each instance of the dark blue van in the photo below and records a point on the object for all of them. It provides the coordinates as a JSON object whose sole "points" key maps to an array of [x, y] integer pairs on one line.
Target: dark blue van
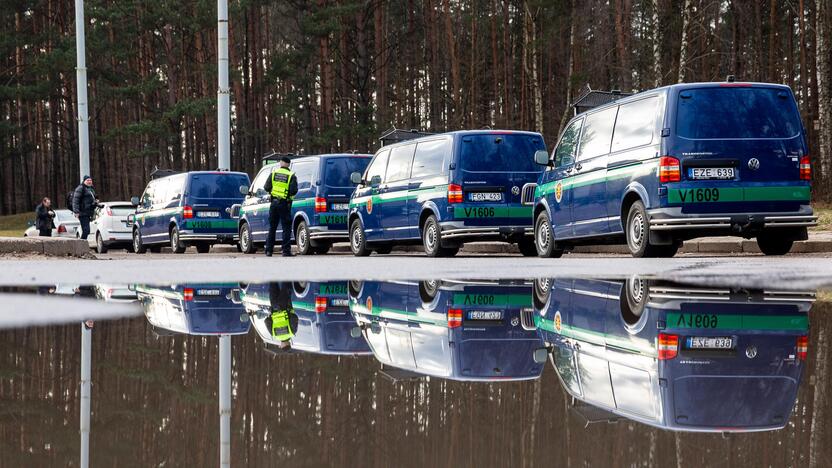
{"points": [[467, 331], [675, 163], [324, 320], [444, 190], [192, 309], [319, 211], [674, 356], [190, 208]]}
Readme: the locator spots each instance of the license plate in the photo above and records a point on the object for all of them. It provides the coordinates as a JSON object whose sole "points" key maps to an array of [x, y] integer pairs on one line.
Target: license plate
{"points": [[340, 206], [207, 292], [485, 196], [710, 342], [209, 214], [339, 302], [710, 173], [485, 315]]}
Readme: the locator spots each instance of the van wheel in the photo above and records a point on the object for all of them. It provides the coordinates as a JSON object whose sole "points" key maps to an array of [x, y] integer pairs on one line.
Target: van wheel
{"points": [[544, 241], [100, 246], [358, 241], [637, 231], [176, 245], [527, 247], [355, 287], [203, 248], [432, 240], [302, 239], [246, 243], [428, 290], [138, 245], [770, 244], [542, 289], [634, 295]]}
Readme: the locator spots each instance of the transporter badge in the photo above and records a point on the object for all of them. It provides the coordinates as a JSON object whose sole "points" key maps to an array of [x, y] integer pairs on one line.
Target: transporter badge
{"points": [[558, 192]]}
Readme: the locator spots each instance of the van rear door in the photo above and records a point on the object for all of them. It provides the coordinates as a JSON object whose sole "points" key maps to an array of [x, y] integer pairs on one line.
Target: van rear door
{"points": [[740, 147]]}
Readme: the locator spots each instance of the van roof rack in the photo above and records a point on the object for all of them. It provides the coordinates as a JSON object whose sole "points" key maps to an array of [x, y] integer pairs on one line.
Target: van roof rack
{"points": [[157, 173], [396, 135], [273, 157], [590, 99]]}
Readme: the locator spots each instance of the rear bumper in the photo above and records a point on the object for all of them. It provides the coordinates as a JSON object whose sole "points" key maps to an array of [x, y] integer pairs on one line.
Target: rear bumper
{"points": [[110, 237], [459, 231], [672, 219], [325, 233], [224, 238]]}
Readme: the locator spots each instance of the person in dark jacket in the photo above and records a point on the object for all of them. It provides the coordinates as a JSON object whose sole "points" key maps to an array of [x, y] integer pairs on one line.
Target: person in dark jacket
{"points": [[84, 203], [282, 186], [45, 218]]}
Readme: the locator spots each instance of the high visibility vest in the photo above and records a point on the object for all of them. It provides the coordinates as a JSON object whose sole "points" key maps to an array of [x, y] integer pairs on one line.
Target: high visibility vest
{"points": [[281, 328], [280, 183]]}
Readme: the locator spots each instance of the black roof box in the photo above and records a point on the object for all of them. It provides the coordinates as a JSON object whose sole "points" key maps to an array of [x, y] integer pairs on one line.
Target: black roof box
{"points": [[590, 99], [159, 173], [396, 135]]}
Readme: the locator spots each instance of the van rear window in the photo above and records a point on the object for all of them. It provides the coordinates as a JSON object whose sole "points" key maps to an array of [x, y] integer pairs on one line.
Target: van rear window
{"points": [[338, 170], [500, 152], [217, 185], [737, 112]]}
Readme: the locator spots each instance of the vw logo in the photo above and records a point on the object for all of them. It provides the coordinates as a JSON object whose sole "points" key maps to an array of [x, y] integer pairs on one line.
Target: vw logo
{"points": [[751, 352], [515, 190], [753, 164], [515, 321]]}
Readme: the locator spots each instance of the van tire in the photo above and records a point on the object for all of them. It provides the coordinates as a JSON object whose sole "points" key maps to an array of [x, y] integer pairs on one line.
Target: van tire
{"points": [[771, 244], [544, 240], [246, 243], [138, 245], [635, 293], [358, 240], [528, 247], [302, 239], [428, 290], [176, 245], [432, 238], [637, 232]]}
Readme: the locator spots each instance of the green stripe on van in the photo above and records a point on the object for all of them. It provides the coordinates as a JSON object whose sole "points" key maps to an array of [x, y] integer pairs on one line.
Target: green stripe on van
{"points": [[486, 211], [431, 192], [210, 224], [705, 194], [485, 299], [594, 177], [739, 322]]}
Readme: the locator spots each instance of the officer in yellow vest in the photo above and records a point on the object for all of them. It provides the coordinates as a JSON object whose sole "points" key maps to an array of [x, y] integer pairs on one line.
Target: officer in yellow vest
{"points": [[283, 186], [283, 322]]}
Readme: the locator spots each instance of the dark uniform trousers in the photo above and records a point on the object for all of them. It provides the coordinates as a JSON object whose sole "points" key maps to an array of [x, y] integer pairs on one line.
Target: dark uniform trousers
{"points": [[280, 213]]}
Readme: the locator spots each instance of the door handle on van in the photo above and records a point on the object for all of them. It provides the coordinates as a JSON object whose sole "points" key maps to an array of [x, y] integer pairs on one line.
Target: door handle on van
{"points": [[414, 185]]}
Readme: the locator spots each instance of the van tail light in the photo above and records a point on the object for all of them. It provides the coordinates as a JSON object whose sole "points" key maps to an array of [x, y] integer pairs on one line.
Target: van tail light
{"points": [[61, 229], [187, 212], [802, 347], [669, 169], [805, 168], [668, 346], [320, 205], [188, 294], [320, 305], [454, 193], [454, 318]]}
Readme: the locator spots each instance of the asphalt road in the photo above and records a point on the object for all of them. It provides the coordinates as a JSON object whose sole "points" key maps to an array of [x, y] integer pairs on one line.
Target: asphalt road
{"points": [[796, 271]]}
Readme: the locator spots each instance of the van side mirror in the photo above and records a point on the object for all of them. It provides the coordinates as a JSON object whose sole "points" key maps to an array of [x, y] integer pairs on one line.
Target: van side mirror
{"points": [[356, 178], [244, 189], [134, 201], [375, 181], [30, 223], [260, 193], [541, 157]]}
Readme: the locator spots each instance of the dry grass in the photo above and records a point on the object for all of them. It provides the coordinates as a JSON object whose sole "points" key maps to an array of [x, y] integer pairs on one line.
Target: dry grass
{"points": [[14, 225], [824, 212]]}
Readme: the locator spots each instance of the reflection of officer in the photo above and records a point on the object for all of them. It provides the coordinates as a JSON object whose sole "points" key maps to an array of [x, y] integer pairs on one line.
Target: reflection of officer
{"points": [[283, 322], [283, 186]]}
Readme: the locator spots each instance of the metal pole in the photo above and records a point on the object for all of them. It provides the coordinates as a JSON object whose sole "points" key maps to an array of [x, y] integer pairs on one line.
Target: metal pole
{"points": [[81, 77], [223, 98], [86, 366], [225, 401]]}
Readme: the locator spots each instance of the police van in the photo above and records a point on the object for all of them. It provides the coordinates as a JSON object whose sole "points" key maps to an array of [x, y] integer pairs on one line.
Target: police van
{"points": [[183, 209], [192, 309], [676, 163], [319, 210], [444, 190], [676, 356]]}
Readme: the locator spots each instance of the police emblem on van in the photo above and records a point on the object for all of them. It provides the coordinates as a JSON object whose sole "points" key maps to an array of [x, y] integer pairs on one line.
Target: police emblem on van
{"points": [[558, 192], [753, 164], [369, 205]]}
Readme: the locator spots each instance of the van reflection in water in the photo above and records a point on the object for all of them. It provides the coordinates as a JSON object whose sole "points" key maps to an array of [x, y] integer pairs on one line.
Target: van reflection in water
{"points": [[195, 309], [468, 331], [672, 356], [324, 322]]}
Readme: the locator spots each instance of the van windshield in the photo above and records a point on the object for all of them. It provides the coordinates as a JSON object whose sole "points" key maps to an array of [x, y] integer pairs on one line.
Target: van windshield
{"points": [[737, 112], [217, 185], [338, 170], [492, 152]]}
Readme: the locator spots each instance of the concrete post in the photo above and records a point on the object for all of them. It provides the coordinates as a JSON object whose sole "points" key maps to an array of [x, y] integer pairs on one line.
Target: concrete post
{"points": [[81, 78], [223, 93]]}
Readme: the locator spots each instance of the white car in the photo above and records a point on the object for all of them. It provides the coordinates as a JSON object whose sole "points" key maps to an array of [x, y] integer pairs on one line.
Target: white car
{"points": [[66, 225], [108, 227]]}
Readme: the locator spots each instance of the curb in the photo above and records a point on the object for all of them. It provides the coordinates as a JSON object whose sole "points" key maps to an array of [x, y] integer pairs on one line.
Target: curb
{"points": [[51, 246]]}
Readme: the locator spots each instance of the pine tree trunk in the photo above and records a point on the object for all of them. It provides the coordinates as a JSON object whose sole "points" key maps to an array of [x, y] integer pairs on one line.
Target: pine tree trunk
{"points": [[824, 86], [684, 49], [658, 37], [567, 108]]}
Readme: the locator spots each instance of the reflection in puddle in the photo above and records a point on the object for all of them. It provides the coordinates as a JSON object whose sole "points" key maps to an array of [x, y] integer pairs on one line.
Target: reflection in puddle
{"points": [[402, 363]]}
